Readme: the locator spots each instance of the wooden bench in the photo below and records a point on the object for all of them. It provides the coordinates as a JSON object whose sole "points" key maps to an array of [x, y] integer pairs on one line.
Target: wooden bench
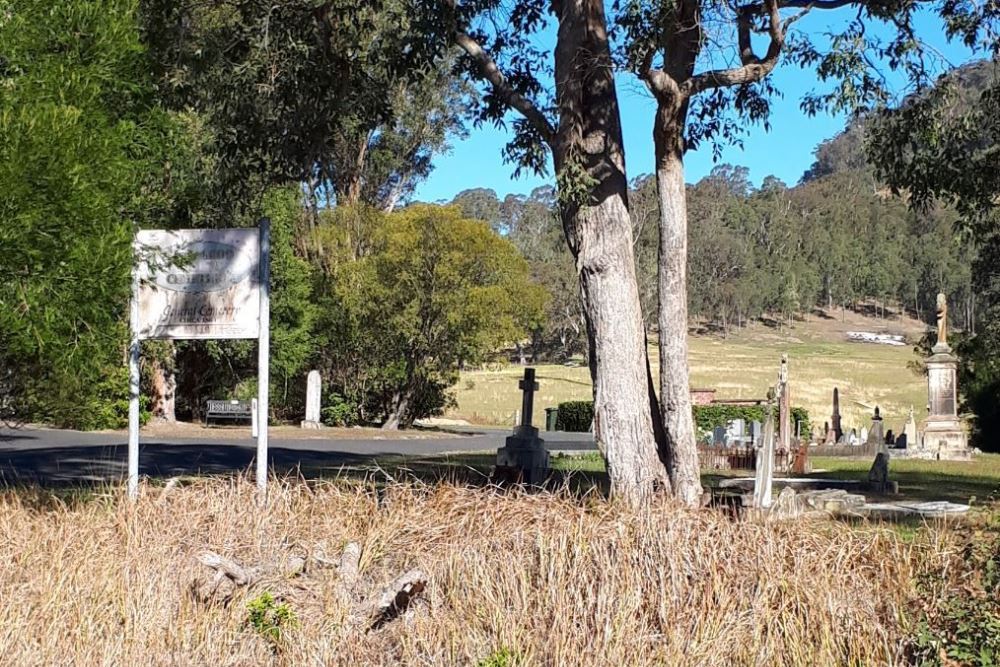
{"points": [[228, 410]]}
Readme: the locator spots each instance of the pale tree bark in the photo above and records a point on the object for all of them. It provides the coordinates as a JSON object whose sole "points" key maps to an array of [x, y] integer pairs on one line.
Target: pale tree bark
{"points": [[672, 86], [589, 157], [675, 385]]}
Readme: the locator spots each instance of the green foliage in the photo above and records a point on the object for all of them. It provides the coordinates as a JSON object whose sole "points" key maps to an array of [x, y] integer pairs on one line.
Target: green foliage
{"points": [[575, 416], [338, 411], [502, 657], [960, 609], [269, 618], [407, 298], [344, 98], [77, 128]]}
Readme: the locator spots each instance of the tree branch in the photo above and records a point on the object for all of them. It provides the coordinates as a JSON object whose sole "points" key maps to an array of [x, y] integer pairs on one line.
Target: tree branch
{"points": [[491, 73], [754, 68]]}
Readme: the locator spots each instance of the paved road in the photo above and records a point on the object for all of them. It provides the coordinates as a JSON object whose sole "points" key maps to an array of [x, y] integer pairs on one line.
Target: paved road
{"points": [[54, 457]]}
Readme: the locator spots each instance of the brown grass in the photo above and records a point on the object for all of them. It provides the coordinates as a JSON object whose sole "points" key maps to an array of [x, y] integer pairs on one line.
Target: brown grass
{"points": [[549, 579]]}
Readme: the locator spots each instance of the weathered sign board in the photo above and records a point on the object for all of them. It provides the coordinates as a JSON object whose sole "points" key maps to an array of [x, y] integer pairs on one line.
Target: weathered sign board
{"points": [[200, 284]]}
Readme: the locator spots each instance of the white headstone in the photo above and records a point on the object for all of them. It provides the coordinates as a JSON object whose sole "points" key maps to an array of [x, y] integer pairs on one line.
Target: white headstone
{"points": [[764, 475], [864, 435], [313, 400]]}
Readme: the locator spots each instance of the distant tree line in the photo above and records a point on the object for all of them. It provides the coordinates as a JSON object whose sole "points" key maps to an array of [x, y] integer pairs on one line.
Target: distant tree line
{"points": [[835, 241]]}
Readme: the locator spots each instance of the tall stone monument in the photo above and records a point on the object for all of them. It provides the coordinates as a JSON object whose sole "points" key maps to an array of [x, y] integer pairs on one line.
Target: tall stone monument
{"points": [[784, 407], [835, 417], [524, 457], [314, 389], [944, 436]]}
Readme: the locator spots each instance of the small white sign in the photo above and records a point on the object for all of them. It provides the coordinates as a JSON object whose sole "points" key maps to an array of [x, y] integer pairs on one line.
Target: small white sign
{"points": [[199, 283]]}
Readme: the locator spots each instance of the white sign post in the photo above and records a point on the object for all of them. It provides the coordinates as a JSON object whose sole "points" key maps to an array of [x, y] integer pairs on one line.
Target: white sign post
{"points": [[200, 284]]}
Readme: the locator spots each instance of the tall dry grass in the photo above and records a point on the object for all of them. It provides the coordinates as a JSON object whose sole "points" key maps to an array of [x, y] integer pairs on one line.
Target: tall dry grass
{"points": [[544, 579]]}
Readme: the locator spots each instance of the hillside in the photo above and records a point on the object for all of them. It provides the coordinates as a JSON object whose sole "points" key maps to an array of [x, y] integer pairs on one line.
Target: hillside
{"points": [[743, 365]]}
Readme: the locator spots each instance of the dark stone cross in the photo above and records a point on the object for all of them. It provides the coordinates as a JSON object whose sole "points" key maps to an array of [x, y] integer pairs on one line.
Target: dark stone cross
{"points": [[528, 387], [523, 458]]}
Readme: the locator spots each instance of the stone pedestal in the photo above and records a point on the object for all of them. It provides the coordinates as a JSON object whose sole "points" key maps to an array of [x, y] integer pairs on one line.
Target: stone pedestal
{"points": [[523, 458], [944, 436]]}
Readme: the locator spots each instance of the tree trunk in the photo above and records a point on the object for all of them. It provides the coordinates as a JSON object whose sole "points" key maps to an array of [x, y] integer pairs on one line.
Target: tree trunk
{"points": [[163, 391], [675, 391], [400, 411], [588, 151]]}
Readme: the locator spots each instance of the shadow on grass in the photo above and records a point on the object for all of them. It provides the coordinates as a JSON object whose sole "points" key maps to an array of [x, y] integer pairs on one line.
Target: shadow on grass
{"points": [[96, 469]]}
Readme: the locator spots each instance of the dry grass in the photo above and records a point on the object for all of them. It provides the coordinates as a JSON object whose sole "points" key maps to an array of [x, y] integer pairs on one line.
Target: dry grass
{"points": [[742, 366], [544, 579]]}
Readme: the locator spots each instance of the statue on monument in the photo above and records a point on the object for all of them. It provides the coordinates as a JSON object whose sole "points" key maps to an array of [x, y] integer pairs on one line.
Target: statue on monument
{"points": [[942, 319]]}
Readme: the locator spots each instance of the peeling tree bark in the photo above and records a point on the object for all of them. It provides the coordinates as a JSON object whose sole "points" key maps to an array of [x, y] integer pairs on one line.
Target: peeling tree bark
{"points": [[675, 386], [599, 232]]}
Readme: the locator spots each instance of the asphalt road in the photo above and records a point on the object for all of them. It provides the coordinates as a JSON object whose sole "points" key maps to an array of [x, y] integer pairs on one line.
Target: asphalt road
{"points": [[56, 457]]}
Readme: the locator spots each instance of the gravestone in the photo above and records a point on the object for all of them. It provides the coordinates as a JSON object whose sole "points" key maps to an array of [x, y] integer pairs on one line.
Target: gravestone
{"points": [[800, 463], [835, 417], [910, 429], [784, 407], [736, 433], [863, 436], [755, 432], [314, 389], [764, 474], [523, 457], [719, 435], [944, 436], [878, 474], [902, 441], [875, 436]]}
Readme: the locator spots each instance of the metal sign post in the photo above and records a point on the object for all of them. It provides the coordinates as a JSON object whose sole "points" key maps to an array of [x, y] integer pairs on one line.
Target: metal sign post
{"points": [[263, 353], [133, 383], [197, 284]]}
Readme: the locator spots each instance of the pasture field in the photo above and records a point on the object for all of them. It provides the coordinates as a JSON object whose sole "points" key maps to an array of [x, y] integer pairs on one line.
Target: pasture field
{"points": [[743, 366]]}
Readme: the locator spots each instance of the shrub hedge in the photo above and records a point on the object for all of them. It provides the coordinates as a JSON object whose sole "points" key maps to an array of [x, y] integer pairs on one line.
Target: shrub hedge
{"points": [[577, 416]]}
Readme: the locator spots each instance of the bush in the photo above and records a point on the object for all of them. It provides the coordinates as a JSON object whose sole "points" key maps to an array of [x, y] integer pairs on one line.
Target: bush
{"points": [[578, 415], [339, 411], [959, 605], [575, 416], [269, 618]]}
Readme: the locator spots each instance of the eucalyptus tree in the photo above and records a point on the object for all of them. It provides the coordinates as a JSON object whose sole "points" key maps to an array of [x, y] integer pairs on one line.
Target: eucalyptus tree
{"points": [[341, 97], [567, 112], [680, 49]]}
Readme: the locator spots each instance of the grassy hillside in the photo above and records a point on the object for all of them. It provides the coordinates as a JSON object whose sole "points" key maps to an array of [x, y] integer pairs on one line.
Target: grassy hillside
{"points": [[743, 366]]}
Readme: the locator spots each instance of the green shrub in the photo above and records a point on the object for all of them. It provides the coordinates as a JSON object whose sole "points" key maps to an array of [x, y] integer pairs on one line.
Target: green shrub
{"points": [[269, 618], [503, 657], [578, 415], [959, 611], [575, 416], [339, 411]]}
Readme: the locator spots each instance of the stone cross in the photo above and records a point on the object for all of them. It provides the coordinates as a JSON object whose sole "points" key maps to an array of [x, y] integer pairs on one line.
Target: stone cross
{"points": [[523, 458], [528, 387], [314, 389]]}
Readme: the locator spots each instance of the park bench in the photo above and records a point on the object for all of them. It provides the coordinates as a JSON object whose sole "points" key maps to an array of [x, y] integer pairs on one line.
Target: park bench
{"points": [[228, 410]]}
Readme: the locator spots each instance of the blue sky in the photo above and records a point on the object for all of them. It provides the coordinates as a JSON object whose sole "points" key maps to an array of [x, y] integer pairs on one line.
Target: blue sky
{"points": [[786, 151]]}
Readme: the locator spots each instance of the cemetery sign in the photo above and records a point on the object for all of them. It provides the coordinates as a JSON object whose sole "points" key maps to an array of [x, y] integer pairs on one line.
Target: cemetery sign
{"points": [[201, 284], [198, 283]]}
